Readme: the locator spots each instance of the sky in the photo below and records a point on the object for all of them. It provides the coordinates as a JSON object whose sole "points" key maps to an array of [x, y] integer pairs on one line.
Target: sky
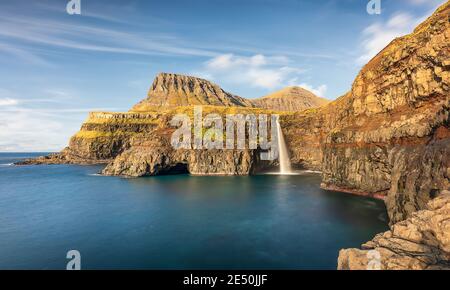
{"points": [[56, 67]]}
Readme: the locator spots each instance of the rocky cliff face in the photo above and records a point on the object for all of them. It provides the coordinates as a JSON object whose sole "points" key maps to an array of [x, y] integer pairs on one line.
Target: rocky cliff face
{"points": [[422, 242], [291, 99], [392, 136], [154, 155], [104, 136], [389, 136], [172, 90]]}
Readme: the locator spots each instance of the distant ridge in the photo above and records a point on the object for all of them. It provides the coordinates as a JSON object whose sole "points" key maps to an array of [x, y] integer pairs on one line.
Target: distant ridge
{"points": [[290, 99], [174, 90]]}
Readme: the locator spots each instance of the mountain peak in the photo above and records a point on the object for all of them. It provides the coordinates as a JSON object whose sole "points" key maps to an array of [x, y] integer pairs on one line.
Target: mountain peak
{"points": [[292, 90], [170, 90], [291, 99], [174, 90]]}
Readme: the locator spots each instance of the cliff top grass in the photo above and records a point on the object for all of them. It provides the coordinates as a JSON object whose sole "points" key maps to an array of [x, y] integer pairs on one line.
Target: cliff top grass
{"points": [[159, 116], [207, 109], [123, 118], [221, 110], [83, 134]]}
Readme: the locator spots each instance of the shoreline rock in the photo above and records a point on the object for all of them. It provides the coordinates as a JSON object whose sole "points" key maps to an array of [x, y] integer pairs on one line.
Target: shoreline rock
{"points": [[379, 196], [421, 242]]}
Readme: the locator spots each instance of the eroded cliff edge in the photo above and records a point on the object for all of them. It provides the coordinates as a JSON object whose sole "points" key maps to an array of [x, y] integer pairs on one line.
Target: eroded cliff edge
{"points": [[389, 136], [422, 242]]}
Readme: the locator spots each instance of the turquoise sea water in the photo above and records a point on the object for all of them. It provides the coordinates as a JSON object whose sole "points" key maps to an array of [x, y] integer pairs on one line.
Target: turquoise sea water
{"points": [[175, 222]]}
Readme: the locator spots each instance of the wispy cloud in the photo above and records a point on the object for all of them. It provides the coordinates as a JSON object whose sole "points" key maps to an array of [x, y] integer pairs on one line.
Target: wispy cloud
{"points": [[320, 90], [56, 111], [39, 124], [87, 12], [26, 32], [24, 132], [28, 130], [23, 35], [267, 72], [378, 35], [23, 54], [258, 71], [44, 129], [54, 96], [425, 2], [8, 102], [93, 38]]}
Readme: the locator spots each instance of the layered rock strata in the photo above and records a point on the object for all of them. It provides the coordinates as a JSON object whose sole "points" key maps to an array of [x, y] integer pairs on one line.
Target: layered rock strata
{"points": [[154, 155], [422, 242], [389, 136], [172, 90]]}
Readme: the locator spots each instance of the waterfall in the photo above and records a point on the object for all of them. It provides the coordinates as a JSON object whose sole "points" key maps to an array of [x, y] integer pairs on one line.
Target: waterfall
{"points": [[285, 163]]}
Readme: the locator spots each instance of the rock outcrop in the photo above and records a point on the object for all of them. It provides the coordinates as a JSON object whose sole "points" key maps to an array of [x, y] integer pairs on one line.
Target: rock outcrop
{"points": [[290, 99], [154, 155], [172, 90], [422, 242], [104, 136]]}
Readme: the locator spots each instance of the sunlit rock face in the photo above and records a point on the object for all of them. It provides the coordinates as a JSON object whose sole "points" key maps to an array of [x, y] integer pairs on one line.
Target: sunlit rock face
{"points": [[173, 90], [290, 99], [422, 242], [389, 136], [154, 155], [109, 137]]}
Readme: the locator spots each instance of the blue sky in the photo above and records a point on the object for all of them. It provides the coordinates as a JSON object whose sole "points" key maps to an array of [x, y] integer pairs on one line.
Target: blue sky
{"points": [[55, 67]]}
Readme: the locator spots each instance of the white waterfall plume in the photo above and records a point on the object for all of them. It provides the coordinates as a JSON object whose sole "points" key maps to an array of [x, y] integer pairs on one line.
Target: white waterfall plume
{"points": [[285, 162]]}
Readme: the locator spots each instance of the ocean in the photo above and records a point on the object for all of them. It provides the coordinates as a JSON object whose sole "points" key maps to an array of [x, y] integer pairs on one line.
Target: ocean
{"points": [[175, 222]]}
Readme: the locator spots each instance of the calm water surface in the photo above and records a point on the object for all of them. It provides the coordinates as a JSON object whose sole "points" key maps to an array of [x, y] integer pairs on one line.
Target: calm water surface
{"points": [[175, 222]]}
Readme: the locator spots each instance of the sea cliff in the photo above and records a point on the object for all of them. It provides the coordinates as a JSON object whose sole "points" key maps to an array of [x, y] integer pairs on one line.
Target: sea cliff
{"points": [[389, 136]]}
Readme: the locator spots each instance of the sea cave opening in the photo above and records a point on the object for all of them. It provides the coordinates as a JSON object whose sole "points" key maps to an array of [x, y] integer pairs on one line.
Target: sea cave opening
{"points": [[177, 169]]}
